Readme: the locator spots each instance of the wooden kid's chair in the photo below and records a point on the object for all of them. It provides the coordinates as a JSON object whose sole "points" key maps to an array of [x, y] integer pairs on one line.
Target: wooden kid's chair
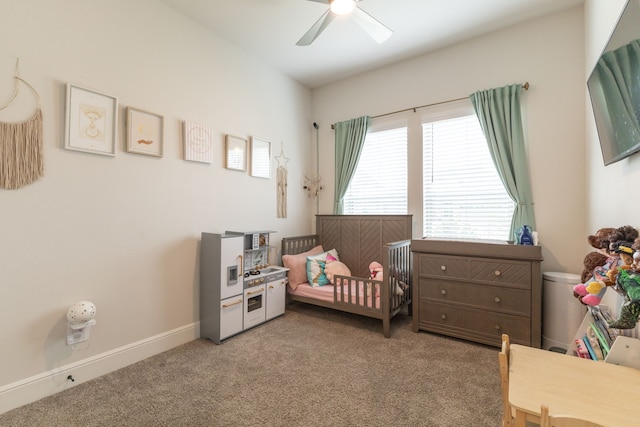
{"points": [[562, 421], [508, 418], [503, 358]]}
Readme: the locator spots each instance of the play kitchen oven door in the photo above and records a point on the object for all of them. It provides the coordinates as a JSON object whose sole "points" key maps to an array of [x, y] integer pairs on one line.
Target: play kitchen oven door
{"points": [[255, 301]]}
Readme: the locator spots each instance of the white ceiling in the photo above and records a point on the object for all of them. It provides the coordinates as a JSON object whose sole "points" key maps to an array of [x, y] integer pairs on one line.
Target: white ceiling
{"points": [[269, 29]]}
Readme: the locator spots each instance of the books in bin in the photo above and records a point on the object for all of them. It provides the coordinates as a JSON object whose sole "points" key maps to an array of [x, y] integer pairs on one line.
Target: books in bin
{"points": [[598, 338], [602, 317], [592, 338], [581, 349]]}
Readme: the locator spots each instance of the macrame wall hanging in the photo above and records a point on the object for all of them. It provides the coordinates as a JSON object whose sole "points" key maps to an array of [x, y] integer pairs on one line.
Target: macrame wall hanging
{"points": [[281, 177], [21, 153]]}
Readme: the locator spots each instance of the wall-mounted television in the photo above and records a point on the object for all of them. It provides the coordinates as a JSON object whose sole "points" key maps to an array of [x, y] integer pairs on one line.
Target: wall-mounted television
{"points": [[614, 88]]}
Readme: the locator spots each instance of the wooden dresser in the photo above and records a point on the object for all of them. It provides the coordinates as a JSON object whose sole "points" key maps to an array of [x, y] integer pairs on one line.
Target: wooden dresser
{"points": [[478, 290]]}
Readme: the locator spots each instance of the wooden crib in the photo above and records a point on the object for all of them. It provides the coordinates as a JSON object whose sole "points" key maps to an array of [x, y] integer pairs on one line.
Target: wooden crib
{"points": [[359, 240]]}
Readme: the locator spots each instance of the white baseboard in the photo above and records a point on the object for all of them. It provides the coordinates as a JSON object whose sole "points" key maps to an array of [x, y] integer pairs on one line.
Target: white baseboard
{"points": [[47, 383]]}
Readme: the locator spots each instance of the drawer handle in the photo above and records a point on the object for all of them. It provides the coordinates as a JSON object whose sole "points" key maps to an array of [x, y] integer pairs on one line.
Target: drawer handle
{"points": [[497, 299], [498, 327], [443, 316], [231, 304], [443, 291], [443, 267], [497, 273]]}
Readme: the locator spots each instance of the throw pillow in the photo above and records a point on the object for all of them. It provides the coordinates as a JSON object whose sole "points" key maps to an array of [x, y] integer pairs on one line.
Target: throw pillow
{"points": [[315, 268], [297, 266], [333, 268]]}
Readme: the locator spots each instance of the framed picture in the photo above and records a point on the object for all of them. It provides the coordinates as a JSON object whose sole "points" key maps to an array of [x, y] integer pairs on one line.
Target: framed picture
{"points": [[91, 120], [260, 158], [236, 153], [145, 132], [198, 142]]}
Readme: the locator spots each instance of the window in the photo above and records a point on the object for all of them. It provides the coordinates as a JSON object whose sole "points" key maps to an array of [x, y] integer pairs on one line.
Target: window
{"points": [[379, 185], [454, 190], [463, 196]]}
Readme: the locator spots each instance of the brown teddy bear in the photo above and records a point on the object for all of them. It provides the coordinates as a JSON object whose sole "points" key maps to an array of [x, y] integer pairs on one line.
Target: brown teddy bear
{"points": [[597, 258], [600, 240], [592, 260], [625, 233]]}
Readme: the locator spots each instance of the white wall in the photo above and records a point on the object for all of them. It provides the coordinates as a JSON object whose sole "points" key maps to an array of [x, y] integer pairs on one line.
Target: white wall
{"points": [[613, 182], [123, 232], [611, 198], [549, 54]]}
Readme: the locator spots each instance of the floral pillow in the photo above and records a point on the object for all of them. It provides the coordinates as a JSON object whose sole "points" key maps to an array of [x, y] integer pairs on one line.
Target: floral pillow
{"points": [[315, 268]]}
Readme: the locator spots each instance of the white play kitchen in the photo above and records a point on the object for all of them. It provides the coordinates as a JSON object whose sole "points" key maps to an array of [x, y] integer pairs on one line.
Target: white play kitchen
{"points": [[238, 287]]}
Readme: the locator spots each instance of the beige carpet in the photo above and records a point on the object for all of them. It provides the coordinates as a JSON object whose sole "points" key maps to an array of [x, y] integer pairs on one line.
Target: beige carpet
{"points": [[310, 367]]}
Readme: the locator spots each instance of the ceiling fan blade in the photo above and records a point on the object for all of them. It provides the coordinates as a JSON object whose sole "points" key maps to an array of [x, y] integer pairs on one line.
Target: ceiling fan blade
{"points": [[316, 29], [376, 29]]}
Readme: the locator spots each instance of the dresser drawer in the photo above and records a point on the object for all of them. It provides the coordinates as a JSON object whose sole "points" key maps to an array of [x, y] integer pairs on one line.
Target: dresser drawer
{"points": [[478, 325], [444, 266], [501, 272], [495, 298]]}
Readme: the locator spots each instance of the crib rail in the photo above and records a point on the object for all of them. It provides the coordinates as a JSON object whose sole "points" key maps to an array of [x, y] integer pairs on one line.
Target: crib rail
{"points": [[299, 244], [398, 270], [394, 290], [358, 292]]}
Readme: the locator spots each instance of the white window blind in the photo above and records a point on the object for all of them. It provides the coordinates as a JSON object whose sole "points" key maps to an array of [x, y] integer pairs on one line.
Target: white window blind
{"points": [[463, 197], [379, 185]]}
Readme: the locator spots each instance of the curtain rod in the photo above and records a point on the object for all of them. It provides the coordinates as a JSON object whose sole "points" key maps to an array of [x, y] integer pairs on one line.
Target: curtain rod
{"points": [[525, 86]]}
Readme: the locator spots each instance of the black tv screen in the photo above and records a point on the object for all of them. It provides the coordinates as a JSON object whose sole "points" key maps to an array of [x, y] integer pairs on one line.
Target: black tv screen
{"points": [[614, 89]]}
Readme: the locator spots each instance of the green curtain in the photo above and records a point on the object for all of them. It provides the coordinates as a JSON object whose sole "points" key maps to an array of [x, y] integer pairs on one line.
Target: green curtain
{"points": [[350, 137], [500, 118], [616, 70]]}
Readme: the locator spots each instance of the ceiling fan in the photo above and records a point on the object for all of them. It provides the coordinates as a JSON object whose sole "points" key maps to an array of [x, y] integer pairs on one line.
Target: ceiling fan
{"points": [[376, 29]]}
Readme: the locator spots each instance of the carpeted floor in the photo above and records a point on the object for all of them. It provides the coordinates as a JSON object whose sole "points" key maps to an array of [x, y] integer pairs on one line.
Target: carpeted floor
{"points": [[310, 367]]}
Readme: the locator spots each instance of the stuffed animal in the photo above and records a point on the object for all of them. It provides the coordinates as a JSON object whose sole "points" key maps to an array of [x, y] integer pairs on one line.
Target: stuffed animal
{"points": [[622, 272], [592, 291], [627, 283], [375, 268], [591, 261], [595, 266], [625, 252], [600, 239], [604, 241], [333, 267]]}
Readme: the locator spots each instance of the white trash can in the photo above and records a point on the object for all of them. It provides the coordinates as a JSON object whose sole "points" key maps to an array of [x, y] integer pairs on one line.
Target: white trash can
{"points": [[562, 313]]}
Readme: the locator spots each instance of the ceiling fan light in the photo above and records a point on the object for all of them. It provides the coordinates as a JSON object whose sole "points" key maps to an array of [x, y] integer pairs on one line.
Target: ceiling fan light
{"points": [[342, 7]]}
